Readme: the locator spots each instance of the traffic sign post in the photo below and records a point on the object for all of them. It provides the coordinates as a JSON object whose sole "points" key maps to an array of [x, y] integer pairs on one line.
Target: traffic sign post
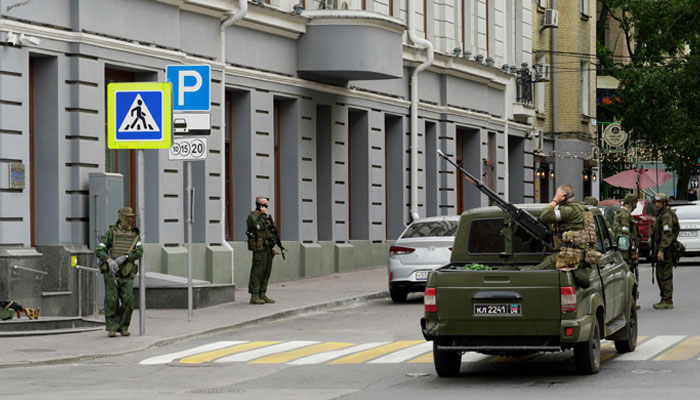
{"points": [[192, 95]]}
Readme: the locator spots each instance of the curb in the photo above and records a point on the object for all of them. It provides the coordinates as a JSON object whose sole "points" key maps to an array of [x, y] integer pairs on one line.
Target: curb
{"points": [[213, 331]]}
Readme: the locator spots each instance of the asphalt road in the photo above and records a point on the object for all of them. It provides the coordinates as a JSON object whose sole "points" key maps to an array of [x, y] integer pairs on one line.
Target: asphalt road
{"points": [[379, 354]]}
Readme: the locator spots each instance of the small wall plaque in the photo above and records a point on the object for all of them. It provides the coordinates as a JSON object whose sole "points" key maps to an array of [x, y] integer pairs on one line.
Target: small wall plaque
{"points": [[17, 176]]}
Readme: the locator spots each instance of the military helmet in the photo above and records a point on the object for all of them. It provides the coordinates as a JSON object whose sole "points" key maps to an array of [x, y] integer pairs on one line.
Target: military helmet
{"points": [[126, 212], [660, 197], [630, 199]]}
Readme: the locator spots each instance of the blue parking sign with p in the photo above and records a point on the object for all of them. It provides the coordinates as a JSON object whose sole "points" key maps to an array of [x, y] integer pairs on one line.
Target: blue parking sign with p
{"points": [[191, 87]]}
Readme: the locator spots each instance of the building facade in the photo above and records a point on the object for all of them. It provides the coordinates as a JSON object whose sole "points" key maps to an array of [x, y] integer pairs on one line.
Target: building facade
{"points": [[564, 53], [314, 115]]}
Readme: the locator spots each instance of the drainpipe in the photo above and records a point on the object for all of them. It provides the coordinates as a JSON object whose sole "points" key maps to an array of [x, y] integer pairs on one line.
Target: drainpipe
{"points": [[555, 93], [230, 20], [414, 105]]}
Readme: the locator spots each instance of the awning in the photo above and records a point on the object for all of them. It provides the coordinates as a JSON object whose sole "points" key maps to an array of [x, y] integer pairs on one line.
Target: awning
{"points": [[607, 82]]}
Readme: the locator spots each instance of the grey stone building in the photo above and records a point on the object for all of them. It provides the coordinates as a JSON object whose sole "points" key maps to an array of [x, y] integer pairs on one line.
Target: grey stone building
{"points": [[315, 115]]}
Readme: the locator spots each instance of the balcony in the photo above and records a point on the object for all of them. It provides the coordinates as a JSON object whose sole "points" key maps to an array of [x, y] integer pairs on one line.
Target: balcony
{"points": [[523, 108], [345, 45]]}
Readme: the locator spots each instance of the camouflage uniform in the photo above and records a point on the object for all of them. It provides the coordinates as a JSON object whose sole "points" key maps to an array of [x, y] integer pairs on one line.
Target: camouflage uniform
{"points": [[663, 235], [576, 240], [624, 225], [590, 201], [261, 243], [119, 290]]}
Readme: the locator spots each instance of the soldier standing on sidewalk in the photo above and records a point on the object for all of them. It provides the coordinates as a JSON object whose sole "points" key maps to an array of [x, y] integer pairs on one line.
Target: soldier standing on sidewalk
{"points": [[119, 248], [663, 237], [627, 236], [261, 241]]}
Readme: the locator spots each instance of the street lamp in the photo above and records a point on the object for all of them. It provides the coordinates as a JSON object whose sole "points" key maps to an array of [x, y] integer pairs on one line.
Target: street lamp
{"points": [[594, 177], [585, 175], [551, 174]]}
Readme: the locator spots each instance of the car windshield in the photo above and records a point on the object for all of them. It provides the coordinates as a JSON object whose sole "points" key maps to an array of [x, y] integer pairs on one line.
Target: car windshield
{"points": [[431, 228], [688, 212]]}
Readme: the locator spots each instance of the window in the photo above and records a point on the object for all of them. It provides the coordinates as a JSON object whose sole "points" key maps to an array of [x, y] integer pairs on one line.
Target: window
{"points": [[485, 236], [604, 241], [583, 7], [584, 89], [540, 103], [523, 242], [431, 229]]}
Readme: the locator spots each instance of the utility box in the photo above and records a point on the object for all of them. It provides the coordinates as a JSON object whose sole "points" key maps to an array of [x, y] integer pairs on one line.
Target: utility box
{"points": [[106, 198]]}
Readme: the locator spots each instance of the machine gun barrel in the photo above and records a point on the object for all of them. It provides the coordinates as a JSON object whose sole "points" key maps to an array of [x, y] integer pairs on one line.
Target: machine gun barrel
{"points": [[527, 221]]}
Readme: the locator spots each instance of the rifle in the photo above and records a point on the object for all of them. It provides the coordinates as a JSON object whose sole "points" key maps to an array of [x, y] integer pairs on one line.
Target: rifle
{"points": [[276, 237], [524, 219]]}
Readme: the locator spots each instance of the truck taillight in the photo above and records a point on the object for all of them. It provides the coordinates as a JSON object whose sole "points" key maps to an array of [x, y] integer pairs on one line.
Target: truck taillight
{"points": [[400, 250], [429, 300], [568, 299]]}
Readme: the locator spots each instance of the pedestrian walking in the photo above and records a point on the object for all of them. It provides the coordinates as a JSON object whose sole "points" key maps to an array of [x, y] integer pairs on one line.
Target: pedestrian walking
{"points": [[262, 237], [119, 248], [574, 236], [663, 243]]}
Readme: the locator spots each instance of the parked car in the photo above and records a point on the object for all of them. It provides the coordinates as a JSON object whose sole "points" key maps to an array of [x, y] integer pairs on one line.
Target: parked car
{"points": [[644, 214], [424, 246], [689, 219]]}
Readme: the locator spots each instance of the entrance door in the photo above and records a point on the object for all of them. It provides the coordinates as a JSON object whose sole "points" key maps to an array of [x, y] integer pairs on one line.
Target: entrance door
{"points": [[121, 161]]}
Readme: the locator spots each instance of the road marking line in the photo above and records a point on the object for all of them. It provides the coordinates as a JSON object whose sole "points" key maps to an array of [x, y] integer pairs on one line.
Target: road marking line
{"points": [[266, 351], [425, 358], [474, 357], [166, 358], [306, 351], [405, 354], [685, 350], [213, 355], [376, 352], [651, 347], [330, 355]]}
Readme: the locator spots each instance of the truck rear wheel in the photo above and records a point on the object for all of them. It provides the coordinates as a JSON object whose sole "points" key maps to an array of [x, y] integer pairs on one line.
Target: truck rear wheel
{"points": [[587, 354], [447, 363], [629, 343]]}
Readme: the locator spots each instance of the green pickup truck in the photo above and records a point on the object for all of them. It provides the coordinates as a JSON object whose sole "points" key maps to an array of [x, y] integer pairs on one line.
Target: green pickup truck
{"points": [[513, 309]]}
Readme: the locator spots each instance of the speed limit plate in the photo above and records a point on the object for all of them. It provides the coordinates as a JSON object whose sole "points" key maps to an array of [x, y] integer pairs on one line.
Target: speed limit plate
{"points": [[188, 149]]}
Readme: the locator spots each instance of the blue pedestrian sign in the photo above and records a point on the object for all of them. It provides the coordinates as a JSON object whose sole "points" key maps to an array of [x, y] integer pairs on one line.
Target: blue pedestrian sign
{"points": [[139, 115], [191, 87]]}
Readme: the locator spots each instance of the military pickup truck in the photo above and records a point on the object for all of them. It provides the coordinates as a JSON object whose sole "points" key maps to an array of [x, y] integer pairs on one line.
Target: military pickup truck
{"points": [[514, 309]]}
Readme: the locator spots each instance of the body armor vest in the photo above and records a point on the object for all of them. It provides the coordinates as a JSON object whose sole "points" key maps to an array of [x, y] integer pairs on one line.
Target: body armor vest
{"points": [[121, 242]]}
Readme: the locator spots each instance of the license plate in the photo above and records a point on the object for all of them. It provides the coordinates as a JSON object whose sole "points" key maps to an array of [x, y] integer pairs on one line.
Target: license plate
{"points": [[422, 275], [688, 233], [498, 309]]}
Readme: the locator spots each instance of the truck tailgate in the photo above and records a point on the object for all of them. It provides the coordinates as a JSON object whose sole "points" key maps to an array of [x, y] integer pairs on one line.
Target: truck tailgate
{"points": [[514, 296]]}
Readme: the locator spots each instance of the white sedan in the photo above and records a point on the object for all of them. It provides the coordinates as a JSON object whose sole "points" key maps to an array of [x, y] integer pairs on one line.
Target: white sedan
{"points": [[689, 219], [423, 247]]}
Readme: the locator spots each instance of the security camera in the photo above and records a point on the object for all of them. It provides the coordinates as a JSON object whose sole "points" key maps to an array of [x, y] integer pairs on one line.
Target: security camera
{"points": [[12, 38]]}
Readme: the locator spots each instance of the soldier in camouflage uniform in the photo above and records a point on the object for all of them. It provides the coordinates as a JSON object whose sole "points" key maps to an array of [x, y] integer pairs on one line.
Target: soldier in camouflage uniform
{"points": [[575, 236], [119, 248], [663, 236], [590, 201], [261, 241], [624, 226]]}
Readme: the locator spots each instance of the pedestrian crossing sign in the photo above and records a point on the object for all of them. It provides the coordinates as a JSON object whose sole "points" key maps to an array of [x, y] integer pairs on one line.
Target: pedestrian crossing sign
{"points": [[139, 115]]}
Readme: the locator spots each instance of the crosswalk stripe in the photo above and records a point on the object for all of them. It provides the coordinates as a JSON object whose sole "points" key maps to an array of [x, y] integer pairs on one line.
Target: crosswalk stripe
{"points": [[166, 358], [425, 358], [266, 351], [651, 348], [213, 355], [370, 354], [685, 350], [298, 353], [330, 355], [405, 354]]}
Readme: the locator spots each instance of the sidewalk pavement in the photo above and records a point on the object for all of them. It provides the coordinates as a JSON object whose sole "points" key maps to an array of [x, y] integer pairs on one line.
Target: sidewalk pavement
{"points": [[168, 326]]}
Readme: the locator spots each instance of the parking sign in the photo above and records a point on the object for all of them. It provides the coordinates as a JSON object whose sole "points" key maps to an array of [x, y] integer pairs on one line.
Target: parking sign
{"points": [[191, 87]]}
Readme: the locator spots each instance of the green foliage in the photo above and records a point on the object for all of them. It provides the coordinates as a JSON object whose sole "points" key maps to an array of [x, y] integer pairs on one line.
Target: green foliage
{"points": [[658, 100], [476, 267]]}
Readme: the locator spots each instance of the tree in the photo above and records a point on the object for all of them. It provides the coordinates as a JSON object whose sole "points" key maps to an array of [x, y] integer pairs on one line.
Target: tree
{"points": [[657, 100]]}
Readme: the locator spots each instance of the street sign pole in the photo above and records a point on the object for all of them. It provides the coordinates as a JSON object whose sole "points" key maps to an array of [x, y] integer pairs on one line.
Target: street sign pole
{"points": [[190, 220], [142, 226]]}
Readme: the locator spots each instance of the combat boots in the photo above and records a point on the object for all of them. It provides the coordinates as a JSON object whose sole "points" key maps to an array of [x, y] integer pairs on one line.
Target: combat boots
{"points": [[266, 299], [663, 306], [255, 299], [125, 332], [112, 334]]}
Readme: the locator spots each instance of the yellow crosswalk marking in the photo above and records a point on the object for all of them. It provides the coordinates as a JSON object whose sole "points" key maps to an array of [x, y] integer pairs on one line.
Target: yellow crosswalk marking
{"points": [[512, 359], [367, 355], [685, 350], [213, 355], [298, 353], [425, 358]]}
